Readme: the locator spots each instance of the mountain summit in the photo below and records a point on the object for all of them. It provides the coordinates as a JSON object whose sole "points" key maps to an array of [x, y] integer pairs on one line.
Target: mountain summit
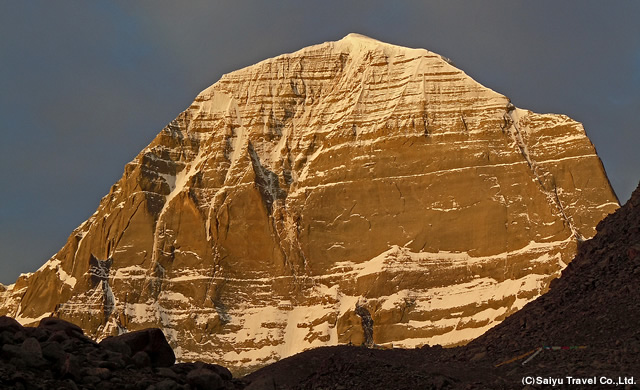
{"points": [[350, 192]]}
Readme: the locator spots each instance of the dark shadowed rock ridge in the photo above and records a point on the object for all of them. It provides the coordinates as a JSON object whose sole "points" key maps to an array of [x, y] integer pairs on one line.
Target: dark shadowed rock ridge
{"points": [[594, 304], [292, 192], [57, 355]]}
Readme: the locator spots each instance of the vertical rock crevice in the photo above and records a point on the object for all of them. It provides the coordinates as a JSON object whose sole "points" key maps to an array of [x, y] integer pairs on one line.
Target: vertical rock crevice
{"points": [[99, 271], [367, 324], [511, 118]]}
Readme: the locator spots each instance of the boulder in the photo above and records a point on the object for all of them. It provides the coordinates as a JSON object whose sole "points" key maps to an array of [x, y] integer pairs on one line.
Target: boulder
{"points": [[53, 324], [9, 324], [150, 341], [204, 379]]}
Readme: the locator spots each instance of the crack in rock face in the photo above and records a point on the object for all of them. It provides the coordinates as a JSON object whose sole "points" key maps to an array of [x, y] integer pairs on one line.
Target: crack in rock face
{"points": [[99, 270], [367, 325]]}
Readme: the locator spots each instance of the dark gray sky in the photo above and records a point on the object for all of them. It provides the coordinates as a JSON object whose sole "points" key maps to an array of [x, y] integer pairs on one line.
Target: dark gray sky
{"points": [[85, 85]]}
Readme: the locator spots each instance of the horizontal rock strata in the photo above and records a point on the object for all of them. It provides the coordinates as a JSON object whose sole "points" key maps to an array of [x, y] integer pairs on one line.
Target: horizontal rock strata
{"points": [[296, 194], [582, 333]]}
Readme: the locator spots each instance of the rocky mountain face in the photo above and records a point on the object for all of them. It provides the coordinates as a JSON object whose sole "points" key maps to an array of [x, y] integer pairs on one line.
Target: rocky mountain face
{"points": [[593, 306], [595, 292], [350, 192]]}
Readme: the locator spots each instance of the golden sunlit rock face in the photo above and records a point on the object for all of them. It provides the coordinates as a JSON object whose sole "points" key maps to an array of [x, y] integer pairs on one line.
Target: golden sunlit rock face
{"points": [[298, 194]]}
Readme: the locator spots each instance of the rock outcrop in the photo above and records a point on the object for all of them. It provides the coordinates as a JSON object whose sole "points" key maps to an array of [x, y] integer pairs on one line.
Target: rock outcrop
{"points": [[592, 306], [296, 194], [57, 355]]}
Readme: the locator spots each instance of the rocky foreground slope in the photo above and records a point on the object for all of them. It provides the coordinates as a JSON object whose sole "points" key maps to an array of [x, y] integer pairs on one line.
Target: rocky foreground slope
{"points": [[348, 180], [57, 355], [594, 304]]}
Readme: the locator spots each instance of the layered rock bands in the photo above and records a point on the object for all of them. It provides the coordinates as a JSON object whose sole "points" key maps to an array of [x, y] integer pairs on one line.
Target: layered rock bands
{"points": [[350, 192]]}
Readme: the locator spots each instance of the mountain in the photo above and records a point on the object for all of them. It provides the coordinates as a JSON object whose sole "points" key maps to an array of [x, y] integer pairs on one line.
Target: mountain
{"points": [[595, 292], [591, 311], [350, 192]]}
